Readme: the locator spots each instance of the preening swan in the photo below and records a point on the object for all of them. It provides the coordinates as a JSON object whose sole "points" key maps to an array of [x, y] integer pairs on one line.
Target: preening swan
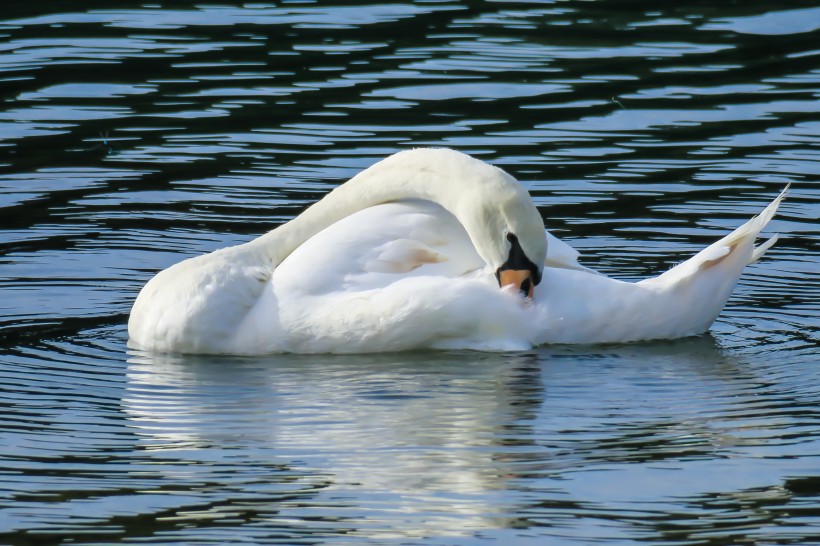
{"points": [[429, 248], [209, 304]]}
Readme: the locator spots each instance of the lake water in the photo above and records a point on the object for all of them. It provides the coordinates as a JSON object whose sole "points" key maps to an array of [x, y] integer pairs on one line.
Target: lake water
{"points": [[132, 136]]}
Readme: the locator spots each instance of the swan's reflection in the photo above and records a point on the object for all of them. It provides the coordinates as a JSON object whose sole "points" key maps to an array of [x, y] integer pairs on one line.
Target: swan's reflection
{"points": [[416, 434], [432, 443]]}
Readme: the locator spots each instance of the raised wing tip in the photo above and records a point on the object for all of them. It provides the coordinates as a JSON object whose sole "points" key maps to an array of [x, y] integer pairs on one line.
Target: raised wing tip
{"points": [[761, 249], [763, 218], [782, 195]]}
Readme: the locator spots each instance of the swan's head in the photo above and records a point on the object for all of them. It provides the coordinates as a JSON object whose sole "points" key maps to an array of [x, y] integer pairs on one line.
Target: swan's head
{"points": [[518, 271], [519, 259], [494, 208], [506, 229]]}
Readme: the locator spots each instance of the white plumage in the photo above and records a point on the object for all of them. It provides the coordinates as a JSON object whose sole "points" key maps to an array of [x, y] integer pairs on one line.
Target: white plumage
{"points": [[404, 257]]}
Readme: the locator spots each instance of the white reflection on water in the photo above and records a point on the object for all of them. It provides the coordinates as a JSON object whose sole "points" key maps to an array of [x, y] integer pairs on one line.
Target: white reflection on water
{"points": [[447, 444], [411, 437]]}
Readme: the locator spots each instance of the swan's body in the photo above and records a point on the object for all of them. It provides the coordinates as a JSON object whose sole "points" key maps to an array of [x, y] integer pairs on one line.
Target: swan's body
{"points": [[398, 271]]}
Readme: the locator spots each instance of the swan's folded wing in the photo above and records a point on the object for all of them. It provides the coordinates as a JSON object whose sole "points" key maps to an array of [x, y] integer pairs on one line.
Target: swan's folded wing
{"points": [[376, 247], [403, 256]]}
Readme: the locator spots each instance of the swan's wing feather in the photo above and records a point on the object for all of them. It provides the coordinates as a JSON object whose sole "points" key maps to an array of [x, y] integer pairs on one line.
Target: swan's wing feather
{"points": [[403, 256], [195, 305], [378, 246], [731, 253], [761, 249]]}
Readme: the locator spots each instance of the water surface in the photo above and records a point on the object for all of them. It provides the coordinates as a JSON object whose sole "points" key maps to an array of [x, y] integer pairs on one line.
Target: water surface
{"points": [[132, 136]]}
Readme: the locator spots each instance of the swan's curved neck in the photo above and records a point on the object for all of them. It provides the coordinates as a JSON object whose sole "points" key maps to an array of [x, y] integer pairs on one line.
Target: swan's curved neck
{"points": [[468, 188]]}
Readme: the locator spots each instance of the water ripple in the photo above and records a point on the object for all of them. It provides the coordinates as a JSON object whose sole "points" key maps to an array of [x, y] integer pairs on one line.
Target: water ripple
{"points": [[133, 137]]}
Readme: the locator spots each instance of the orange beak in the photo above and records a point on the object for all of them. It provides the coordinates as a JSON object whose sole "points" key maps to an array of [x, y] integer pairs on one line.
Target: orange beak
{"points": [[521, 279]]}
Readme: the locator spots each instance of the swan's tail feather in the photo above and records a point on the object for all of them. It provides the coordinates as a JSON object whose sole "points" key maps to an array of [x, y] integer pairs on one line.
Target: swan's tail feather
{"points": [[761, 249], [746, 233], [762, 219], [699, 287], [736, 249]]}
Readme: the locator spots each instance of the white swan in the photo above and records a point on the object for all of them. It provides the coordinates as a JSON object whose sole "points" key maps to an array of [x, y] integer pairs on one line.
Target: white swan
{"points": [[410, 254], [224, 302]]}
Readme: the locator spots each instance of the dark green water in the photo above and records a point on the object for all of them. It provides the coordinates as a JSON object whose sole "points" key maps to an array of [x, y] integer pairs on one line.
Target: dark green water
{"points": [[133, 135]]}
